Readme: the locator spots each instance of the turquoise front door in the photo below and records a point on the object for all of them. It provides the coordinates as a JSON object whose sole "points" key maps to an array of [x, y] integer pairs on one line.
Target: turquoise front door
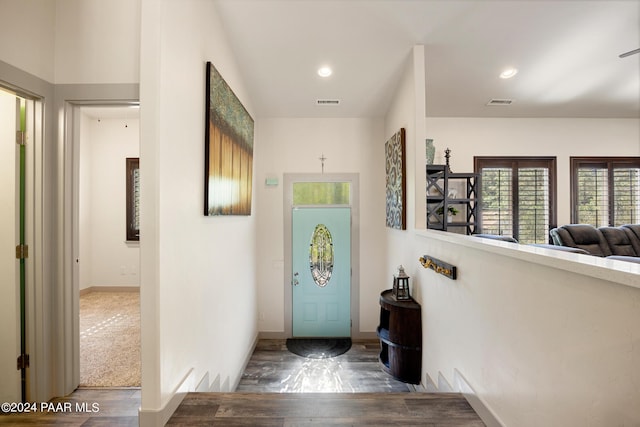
{"points": [[321, 272]]}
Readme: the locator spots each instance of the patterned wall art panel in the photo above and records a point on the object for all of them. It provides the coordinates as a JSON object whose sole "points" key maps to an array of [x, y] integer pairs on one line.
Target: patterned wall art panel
{"points": [[396, 181], [228, 150]]}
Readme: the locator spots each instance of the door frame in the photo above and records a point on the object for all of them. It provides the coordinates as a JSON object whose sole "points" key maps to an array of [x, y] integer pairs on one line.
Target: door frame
{"points": [[288, 180], [34, 239], [72, 139]]}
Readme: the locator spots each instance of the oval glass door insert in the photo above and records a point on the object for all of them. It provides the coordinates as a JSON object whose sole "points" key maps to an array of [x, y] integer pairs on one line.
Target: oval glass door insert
{"points": [[321, 255]]}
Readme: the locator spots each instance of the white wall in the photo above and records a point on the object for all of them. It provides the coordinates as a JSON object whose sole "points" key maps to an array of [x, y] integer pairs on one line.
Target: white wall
{"points": [[198, 275], [295, 146], [72, 41], [561, 137], [542, 342], [106, 258], [30, 40], [407, 111], [97, 41], [27, 29]]}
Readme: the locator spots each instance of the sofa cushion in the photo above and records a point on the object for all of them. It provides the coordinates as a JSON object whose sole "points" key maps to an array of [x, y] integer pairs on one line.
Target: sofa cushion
{"points": [[583, 236], [633, 231], [619, 241]]}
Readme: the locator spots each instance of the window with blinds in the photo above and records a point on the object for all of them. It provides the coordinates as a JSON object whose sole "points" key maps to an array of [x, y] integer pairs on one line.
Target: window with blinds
{"points": [[605, 190], [533, 205], [497, 201], [518, 196]]}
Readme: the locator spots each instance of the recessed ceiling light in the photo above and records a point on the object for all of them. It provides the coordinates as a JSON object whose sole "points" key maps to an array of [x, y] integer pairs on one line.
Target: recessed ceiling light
{"points": [[324, 71], [508, 73]]}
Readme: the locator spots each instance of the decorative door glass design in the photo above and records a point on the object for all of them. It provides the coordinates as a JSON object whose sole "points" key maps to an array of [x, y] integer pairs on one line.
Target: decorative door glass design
{"points": [[321, 255]]}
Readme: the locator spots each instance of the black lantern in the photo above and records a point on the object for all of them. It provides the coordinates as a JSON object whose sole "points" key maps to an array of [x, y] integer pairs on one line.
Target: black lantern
{"points": [[401, 285]]}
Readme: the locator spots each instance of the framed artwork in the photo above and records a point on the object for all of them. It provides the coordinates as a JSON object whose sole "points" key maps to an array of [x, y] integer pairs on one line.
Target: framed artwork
{"points": [[228, 169], [396, 181]]}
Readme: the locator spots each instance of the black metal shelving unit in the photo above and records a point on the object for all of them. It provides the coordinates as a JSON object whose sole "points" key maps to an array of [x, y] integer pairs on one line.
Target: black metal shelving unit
{"points": [[442, 194]]}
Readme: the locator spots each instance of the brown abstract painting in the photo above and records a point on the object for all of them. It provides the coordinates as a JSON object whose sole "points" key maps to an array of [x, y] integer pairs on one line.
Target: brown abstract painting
{"points": [[228, 150], [396, 181]]}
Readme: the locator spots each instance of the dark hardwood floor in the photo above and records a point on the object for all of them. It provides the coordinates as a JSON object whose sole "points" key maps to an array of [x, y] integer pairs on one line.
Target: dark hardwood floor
{"points": [[325, 409], [84, 407], [279, 389]]}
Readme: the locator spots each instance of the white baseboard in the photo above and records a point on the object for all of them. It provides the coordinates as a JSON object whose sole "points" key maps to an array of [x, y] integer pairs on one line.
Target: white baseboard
{"points": [[462, 386], [160, 417], [247, 358], [272, 336], [109, 289], [358, 336]]}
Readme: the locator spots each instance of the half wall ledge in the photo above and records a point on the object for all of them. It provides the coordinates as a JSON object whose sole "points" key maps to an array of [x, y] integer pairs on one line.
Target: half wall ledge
{"points": [[612, 270]]}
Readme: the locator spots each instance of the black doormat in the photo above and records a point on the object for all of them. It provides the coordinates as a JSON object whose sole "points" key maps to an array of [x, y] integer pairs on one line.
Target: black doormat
{"points": [[318, 348]]}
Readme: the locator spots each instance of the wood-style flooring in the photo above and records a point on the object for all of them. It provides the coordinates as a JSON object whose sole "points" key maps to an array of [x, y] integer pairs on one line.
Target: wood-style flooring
{"points": [[278, 389], [115, 408], [325, 409], [273, 369]]}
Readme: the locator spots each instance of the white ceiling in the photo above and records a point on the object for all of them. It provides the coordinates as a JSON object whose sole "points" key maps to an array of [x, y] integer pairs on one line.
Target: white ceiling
{"points": [[566, 52]]}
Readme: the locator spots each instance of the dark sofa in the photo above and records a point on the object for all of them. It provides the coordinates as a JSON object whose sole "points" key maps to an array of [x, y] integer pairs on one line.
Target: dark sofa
{"points": [[621, 243], [616, 242], [539, 245]]}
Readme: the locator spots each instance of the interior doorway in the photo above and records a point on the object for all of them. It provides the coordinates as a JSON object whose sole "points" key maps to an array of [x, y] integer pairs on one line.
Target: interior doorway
{"points": [[106, 270]]}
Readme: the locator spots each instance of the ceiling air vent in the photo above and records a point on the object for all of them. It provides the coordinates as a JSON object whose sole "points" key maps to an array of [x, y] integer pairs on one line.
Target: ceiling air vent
{"points": [[327, 102], [500, 102]]}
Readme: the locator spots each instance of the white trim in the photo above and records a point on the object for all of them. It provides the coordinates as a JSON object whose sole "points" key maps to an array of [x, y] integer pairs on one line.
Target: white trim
{"points": [[109, 289], [462, 386], [354, 179], [160, 417], [247, 358], [68, 292], [37, 374]]}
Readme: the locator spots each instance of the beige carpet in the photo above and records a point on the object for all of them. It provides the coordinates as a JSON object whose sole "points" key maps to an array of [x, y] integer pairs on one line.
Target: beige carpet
{"points": [[110, 339]]}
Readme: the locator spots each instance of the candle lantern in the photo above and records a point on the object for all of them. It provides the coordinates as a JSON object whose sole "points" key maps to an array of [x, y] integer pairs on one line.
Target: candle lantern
{"points": [[401, 285]]}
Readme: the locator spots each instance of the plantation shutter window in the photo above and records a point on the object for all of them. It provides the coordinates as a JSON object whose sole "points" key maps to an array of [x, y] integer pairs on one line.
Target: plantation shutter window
{"points": [[518, 196], [497, 201], [533, 204], [605, 190]]}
